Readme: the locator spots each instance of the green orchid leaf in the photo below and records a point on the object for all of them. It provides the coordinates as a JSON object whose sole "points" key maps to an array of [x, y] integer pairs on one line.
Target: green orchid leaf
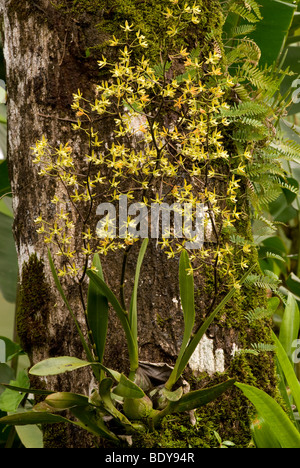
{"points": [[197, 398], [123, 317], [105, 390], [278, 422], [59, 365], [133, 304], [91, 422], [186, 283], [32, 417], [173, 396], [65, 400]]}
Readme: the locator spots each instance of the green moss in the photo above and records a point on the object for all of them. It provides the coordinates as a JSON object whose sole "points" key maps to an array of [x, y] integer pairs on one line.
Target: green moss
{"points": [[32, 311]]}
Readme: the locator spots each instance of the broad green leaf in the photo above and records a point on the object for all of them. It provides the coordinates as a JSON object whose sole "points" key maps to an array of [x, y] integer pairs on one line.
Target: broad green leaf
{"points": [[186, 283], [66, 400], [11, 349], [279, 423], [289, 328], [10, 399], [128, 389], [59, 365], [197, 398], [123, 317], [60, 289], [97, 312], [8, 260], [288, 370], [262, 435], [6, 375], [31, 436], [133, 304]]}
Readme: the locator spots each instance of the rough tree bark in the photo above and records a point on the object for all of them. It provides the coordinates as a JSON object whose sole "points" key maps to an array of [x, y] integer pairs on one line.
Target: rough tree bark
{"points": [[45, 46]]}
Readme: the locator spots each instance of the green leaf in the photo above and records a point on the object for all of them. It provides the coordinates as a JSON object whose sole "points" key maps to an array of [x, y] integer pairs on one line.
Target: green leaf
{"points": [[31, 436], [10, 399], [288, 371], [11, 349], [8, 260], [128, 389], [32, 417], [186, 283], [262, 435], [123, 317], [289, 328], [66, 400], [173, 396], [6, 375], [133, 304], [59, 365], [97, 312], [60, 289], [199, 334], [87, 421], [34, 391], [197, 398], [92, 423], [105, 390], [279, 423]]}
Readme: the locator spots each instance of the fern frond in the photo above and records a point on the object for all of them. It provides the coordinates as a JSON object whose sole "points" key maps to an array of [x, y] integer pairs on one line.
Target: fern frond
{"points": [[242, 30], [259, 78], [258, 314], [246, 109], [267, 281], [274, 256], [244, 12], [258, 348]]}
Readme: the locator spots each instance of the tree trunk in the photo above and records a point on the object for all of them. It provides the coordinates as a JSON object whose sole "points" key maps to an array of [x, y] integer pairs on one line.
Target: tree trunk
{"points": [[51, 50]]}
